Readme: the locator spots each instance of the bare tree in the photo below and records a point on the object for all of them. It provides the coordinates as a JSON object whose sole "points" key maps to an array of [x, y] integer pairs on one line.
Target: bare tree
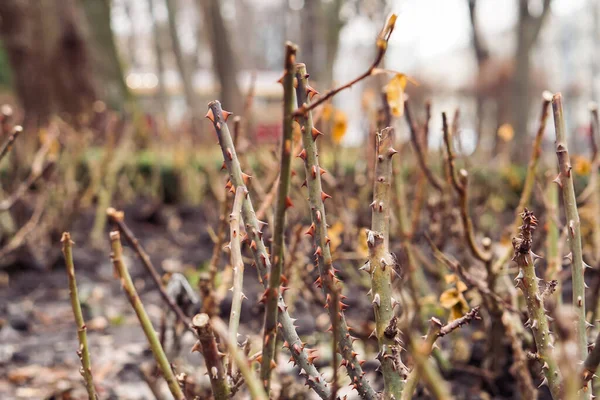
{"points": [[182, 65], [49, 57], [223, 55], [528, 30]]}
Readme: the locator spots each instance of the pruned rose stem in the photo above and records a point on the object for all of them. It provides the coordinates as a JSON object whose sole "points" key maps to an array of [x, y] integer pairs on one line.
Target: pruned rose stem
{"points": [[129, 288], [261, 258], [118, 219], [318, 230], [271, 295], [83, 351], [565, 183], [538, 320], [207, 344], [381, 265], [237, 263]]}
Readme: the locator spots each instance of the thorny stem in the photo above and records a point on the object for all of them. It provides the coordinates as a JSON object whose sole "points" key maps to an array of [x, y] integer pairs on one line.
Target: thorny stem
{"points": [[529, 184], [83, 351], [146, 324], [381, 265], [283, 202], [435, 382], [253, 229], [460, 185], [591, 362], [207, 344], [237, 264], [417, 144], [318, 230], [538, 321], [565, 182], [252, 382], [520, 367], [118, 219], [382, 43], [435, 331]]}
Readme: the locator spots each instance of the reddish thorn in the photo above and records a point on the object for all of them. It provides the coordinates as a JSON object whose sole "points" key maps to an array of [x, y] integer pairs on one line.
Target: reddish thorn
{"points": [[226, 115], [302, 154], [210, 115], [288, 202]]}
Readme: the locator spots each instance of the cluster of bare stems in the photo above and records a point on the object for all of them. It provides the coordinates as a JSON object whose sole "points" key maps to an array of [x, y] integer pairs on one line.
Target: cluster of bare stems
{"points": [[525, 320]]}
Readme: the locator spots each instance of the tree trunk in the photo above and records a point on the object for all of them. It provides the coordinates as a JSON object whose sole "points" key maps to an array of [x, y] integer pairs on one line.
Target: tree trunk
{"points": [[161, 93], [528, 29], [224, 60], [48, 56], [106, 62], [182, 66]]}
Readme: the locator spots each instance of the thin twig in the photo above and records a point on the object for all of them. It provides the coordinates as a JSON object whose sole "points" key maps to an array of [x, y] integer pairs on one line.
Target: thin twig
{"points": [[254, 386], [146, 324], [8, 143], [382, 44], [83, 351], [118, 218]]}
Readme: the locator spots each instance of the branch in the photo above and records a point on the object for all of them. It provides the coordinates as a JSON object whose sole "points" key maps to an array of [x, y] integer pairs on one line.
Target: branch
{"points": [[538, 321], [253, 228], [118, 218], [381, 263], [207, 344], [421, 156], [146, 324], [83, 351], [318, 230], [382, 44], [565, 182], [237, 264], [271, 295], [8, 143], [460, 186], [254, 386]]}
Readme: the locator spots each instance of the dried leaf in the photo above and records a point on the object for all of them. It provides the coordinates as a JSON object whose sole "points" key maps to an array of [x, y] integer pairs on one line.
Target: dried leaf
{"points": [[340, 125], [394, 92], [583, 166], [506, 132], [335, 235]]}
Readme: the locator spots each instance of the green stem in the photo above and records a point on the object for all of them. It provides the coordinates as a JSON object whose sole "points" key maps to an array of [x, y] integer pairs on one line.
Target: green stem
{"points": [[237, 264], [207, 344], [136, 303], [318, 230], [253, 228], [381, 263], [272, 293], [83, 351], [252, 382], [538, 321], [565, 182]]}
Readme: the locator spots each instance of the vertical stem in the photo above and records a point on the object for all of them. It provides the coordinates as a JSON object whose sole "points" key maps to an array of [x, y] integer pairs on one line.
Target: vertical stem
{"points": [[252, 382], [538, 321], [318, 230], [237, 264], [83, 351], [283, 202], [253, 228], [565, 182], [146, 324], [207, 344], [381, 263]]}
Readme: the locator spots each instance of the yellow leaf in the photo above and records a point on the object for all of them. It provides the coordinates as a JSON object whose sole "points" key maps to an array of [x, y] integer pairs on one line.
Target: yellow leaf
{"points": [[460, 285], [450, 278], [450, 297], [459, 309], [340, 125], [335, 235], [327, 112], [506, 132], [583, 166], [362, 248], [394, 92]]}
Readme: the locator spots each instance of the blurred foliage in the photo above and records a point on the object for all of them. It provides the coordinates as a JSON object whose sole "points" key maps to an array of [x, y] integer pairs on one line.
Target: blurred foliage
{"points": [[5, 71]]}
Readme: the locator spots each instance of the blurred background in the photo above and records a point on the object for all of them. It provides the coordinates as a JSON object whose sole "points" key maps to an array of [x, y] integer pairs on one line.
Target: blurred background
{"points": [[111, 96]]}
